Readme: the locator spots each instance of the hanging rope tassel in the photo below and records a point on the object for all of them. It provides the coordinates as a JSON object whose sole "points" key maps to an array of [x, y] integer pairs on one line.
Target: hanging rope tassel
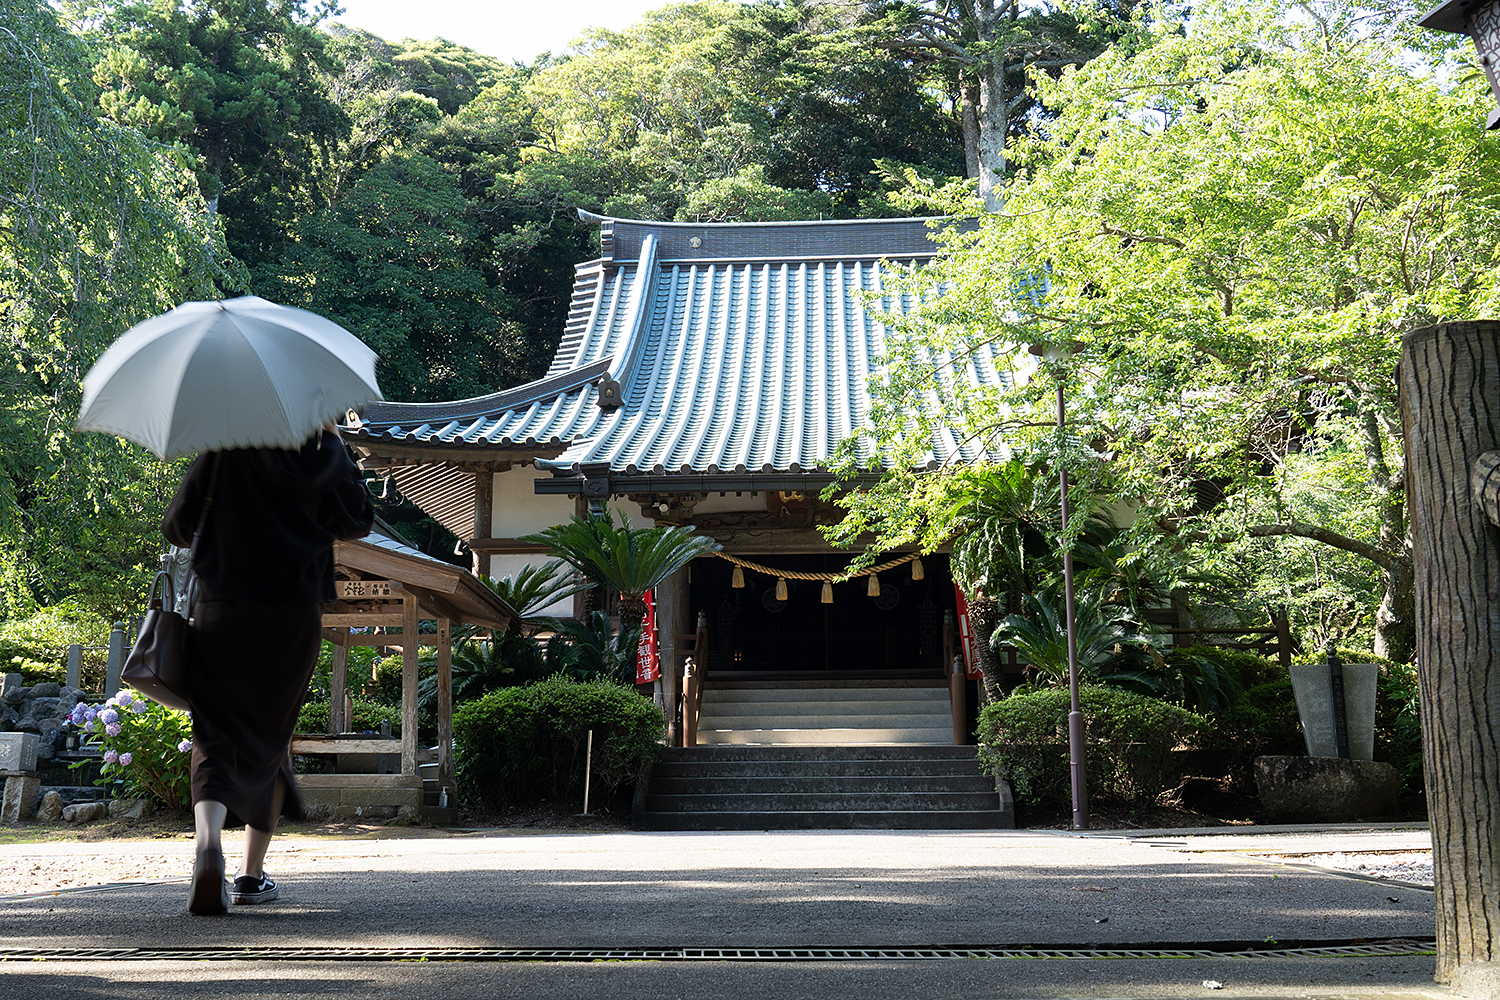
{"points": [[780, 589], [738, 580], [873, 590], [917, 572], [827, 592]]}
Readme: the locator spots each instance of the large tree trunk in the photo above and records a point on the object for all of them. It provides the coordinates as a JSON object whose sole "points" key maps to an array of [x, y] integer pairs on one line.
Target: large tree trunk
{"points": [[994, 123], [1450, 409]]}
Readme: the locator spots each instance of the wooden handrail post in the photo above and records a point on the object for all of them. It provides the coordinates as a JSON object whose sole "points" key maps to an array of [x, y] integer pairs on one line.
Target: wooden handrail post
{"points": [[690, 704], [958, 701], [338, 680], [1283, 639]]}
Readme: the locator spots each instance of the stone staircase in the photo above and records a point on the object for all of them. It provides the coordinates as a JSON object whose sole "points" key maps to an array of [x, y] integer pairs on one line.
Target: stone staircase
{"points": [[731, 787], [854, 713], [810, 755]]}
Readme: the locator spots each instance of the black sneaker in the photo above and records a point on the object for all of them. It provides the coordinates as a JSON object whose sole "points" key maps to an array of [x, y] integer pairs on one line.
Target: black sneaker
{"points": [[253, 889]]}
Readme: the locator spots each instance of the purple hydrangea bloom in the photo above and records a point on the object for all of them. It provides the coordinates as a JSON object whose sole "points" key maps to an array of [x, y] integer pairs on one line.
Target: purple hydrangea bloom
{"points": [[185, 746], [125, 758], [88, 726], [112, 729], [110, 756], [124, 698], [90, 713], [138, 706], [109, 715]]}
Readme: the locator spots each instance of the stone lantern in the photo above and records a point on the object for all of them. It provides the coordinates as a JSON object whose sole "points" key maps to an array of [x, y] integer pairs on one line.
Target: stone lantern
{"points": [[1480, 20]]}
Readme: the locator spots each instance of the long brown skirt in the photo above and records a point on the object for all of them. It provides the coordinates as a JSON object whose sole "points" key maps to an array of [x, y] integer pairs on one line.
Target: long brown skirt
{"points": [[252, 665]]}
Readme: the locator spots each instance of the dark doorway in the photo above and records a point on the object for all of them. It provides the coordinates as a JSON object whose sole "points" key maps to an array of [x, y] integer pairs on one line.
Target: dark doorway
{"points": [[750, 631]]}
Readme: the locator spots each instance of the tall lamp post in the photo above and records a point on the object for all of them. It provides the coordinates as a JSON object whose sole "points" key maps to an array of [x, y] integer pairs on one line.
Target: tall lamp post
{"points": [[1055, 355]]}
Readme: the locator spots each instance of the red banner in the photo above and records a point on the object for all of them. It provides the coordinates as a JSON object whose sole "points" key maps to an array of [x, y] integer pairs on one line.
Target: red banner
{"points": [[966, 636], [647, 664]]}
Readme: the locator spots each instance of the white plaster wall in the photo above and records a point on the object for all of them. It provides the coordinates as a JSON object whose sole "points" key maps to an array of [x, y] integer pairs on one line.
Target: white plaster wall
{"points": [[516, 509]]}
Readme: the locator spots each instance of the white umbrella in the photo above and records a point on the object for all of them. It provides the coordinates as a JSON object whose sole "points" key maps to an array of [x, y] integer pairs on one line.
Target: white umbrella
{"points": [[243, 373]]}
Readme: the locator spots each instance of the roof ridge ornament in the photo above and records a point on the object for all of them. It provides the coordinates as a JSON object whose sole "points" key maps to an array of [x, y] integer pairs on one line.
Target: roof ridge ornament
{"points": [[610, 394]]}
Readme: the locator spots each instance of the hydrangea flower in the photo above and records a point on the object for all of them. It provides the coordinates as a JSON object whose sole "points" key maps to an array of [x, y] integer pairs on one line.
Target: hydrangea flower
{"points": [[112, 729], [110, 756], [109, 715], [125, 758], [185, 746], [138, 706], [88, 726], [124, 698]]}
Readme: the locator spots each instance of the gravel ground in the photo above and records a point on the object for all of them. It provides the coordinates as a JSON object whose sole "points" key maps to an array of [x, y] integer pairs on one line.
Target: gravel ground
{"points": [[1414, 867]]}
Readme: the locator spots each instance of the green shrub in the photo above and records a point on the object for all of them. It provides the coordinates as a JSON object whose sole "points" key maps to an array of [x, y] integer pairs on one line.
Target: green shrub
{"points": [[33, 672], [1262, 722], [368, 715], [521, 744], [1131, 739]]}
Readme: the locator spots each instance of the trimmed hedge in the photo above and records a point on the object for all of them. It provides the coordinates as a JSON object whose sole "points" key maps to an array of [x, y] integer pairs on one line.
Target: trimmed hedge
{"points": [[524, 744], [1131, 739], [368, 715]]}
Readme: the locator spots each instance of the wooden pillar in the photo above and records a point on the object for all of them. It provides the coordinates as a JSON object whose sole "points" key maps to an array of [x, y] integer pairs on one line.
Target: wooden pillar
{"points": [[669, 629], [338, 682], [484, 507], [410, 647], [445, 705], [1450, 414]]}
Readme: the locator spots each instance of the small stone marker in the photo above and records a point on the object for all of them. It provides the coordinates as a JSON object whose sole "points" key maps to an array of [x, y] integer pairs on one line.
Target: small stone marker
{"points": [[84, 812]]}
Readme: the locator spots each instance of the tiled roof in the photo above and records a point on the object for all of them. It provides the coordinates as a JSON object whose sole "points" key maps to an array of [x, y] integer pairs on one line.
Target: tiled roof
{"points": [[734, 347]]}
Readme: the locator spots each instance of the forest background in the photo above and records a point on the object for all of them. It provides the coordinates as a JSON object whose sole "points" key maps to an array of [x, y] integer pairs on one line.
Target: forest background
{"points": [[1230, 212]]}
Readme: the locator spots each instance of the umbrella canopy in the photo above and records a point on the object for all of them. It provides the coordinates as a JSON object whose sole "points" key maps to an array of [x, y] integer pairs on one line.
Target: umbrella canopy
{"points": [[242, 373]]}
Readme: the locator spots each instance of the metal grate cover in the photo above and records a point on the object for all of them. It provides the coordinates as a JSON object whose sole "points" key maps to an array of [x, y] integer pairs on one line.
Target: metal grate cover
{"points": [[1387, 949]]}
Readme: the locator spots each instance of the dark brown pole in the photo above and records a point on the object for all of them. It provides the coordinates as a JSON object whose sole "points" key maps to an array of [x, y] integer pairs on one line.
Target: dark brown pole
{"points": [[1450, 409], [1076, 764]]}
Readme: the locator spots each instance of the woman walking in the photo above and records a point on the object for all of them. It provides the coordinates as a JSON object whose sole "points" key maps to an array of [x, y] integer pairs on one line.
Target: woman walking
{"points": [[268, 518]]}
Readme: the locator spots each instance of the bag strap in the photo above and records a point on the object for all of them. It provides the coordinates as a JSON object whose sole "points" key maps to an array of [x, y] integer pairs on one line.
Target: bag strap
{"points": [[208, 502]]}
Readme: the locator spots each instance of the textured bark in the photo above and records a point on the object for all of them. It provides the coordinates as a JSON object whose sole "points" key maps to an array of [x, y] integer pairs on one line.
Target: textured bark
{"points": [[1450, 409], [984, 615]]}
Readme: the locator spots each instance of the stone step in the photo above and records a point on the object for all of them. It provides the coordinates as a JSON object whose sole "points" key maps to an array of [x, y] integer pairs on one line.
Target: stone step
{"points": [[842, 696], [823, 802], [974, 819], [730, 769], [818, 753], [827, 737], [818, 710], [821, 784], [708, 723]]}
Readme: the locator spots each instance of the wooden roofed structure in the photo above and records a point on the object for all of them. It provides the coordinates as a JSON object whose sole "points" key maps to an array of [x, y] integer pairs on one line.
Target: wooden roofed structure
{"points": [[383, 585]]}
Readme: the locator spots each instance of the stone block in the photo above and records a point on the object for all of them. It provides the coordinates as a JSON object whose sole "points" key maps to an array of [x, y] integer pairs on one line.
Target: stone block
{"points": [[50, 811], [1312, 685], [18, 751], [1326, 789], [11, 688], [46, 689], [20, 798], [47, 708], [84, 812], [380, 796], [129, 808]]}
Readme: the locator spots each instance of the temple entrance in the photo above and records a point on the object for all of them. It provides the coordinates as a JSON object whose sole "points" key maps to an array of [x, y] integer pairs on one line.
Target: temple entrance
{"points": [[751, 632]]}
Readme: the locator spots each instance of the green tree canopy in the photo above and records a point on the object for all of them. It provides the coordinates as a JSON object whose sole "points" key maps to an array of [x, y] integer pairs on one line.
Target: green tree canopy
{"points": [[1232, 221]]}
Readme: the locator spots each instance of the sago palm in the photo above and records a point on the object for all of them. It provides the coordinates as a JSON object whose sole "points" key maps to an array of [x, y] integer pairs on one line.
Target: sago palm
{"points": [[534, 588], [629, 560]]}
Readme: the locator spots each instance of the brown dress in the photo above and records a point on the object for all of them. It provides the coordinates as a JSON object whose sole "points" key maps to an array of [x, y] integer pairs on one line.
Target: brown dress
{"points": [[265, 567]]}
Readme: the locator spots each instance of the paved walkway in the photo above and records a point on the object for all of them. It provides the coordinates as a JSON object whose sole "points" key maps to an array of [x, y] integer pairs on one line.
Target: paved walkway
{"points": [[1166, 910]]}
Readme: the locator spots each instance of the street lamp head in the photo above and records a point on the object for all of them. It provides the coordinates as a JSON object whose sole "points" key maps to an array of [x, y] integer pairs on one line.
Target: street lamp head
{"points": [[1480, 20]]}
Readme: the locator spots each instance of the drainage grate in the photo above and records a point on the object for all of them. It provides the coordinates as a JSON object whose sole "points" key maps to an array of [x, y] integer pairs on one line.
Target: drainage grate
{"points": [[1390, 949]]}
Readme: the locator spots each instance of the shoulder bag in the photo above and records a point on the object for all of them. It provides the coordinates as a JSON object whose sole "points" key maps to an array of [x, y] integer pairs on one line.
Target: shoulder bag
{"points": [[159, 665]]}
